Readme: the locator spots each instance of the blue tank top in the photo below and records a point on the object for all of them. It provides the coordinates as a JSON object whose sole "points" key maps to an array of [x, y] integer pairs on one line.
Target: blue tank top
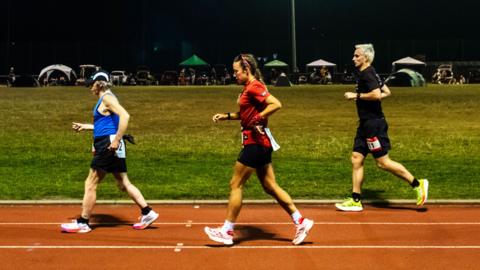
{"points": [[104, 125]]}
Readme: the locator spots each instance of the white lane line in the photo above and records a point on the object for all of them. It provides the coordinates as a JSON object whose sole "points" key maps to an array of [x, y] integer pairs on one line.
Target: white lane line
{"points": [[241, 247], [258, 223]]}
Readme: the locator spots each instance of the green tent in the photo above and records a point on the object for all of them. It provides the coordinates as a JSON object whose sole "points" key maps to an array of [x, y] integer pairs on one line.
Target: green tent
{"points": [[405, 77], [194, 60], [276, 63]]}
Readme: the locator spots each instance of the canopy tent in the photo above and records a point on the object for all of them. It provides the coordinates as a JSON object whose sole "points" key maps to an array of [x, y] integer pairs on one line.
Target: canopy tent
{"points": [[405, 77], [275, 63], [194, 60], [321, 63], [46, 72], [408, 62]]}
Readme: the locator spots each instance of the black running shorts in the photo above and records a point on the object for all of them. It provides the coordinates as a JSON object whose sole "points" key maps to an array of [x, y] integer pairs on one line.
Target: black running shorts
{"points": [[105, 160], [255, 156], [369, 129]]}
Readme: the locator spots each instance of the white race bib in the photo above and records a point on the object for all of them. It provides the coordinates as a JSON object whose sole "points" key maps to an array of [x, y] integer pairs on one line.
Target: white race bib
{"points": [[120, 152], [275, 145], [374, 144]]}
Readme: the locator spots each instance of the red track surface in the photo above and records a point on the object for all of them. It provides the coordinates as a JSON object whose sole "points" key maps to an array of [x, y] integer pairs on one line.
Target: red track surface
{"points": [[398, 237]]}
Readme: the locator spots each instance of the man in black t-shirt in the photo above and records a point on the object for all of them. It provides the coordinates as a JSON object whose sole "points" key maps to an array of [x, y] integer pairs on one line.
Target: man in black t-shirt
{"points": [[372, 136]]}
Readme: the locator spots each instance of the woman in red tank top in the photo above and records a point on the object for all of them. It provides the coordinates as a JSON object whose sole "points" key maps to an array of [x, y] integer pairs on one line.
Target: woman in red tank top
{"points": [[256, 105]]}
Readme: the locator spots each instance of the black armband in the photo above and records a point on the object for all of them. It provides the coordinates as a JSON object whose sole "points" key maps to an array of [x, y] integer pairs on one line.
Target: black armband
{"points": [[358, 95], [229, 116]]}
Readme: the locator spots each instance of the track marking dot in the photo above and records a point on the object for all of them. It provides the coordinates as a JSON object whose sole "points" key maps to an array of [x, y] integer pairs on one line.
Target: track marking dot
{"points": [[179, 247]]}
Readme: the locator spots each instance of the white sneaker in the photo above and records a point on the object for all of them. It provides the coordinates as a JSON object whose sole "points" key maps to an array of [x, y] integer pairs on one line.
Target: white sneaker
{"points": [[146, 220], [217, 235], [302, 231], [75, 227]]}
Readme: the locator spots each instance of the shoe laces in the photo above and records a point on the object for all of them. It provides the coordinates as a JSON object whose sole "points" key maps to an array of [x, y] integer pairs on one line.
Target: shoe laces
{"points": [[300, 230]]}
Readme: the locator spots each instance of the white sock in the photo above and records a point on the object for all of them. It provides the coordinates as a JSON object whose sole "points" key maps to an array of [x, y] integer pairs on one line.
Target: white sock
{"points": [[228, 226], [296, 216]]}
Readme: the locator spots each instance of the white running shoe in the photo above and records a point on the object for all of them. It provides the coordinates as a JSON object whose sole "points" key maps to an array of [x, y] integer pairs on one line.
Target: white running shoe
{"points": [[302, 231], [75, 227], [217, 235], [146, 220]]}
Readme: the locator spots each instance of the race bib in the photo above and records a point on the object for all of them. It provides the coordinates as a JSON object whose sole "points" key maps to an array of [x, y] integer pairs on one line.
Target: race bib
{"points": [[275, 145], [374, 144], [120, 152]]}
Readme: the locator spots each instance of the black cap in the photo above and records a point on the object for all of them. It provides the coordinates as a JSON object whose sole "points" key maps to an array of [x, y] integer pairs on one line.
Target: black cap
{"points": [[100, 75]]}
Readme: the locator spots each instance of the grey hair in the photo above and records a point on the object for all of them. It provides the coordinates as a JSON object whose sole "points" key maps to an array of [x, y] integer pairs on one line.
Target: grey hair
{"points": [[368, 51]]}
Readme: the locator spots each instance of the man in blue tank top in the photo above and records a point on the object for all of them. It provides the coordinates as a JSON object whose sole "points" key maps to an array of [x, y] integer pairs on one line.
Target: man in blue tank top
{"points": [[110, 121]]}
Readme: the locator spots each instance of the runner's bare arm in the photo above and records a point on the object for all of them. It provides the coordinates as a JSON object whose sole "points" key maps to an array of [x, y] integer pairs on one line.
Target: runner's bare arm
{"points": [[80, 127], [273, 105], [385, 91], [226, 116], [375, 94]]}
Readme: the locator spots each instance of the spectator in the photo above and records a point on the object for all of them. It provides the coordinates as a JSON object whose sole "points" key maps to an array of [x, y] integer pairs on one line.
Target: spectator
{"points": [[213, 76], [11, 76]]}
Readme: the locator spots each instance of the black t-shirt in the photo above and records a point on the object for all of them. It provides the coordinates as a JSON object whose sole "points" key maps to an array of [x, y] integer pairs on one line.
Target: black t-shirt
{"points": [[367, 81]]}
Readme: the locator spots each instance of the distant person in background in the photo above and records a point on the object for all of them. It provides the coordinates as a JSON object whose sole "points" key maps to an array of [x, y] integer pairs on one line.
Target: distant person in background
{"points": [[323, 75], [213, 76], [372, 134], [228, 78], [110, 121], [193, 78], [273, 76], [11, 76], [181, 78], [256, 105], [62, 81]]}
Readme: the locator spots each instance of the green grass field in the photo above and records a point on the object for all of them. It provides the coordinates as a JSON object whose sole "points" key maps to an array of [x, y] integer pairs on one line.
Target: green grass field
{"points": [[182, 154]]}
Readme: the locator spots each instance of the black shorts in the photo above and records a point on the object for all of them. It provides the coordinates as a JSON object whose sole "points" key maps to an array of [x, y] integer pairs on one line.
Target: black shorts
{"points": [[105, 160], [255, 156], [368, 129]]}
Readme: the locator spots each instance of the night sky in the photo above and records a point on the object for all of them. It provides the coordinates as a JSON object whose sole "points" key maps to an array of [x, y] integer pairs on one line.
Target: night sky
{"points": [[160, 34]]}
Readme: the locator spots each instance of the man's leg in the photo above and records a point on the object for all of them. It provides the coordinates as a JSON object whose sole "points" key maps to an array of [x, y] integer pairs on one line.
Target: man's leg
{"points": [[420, 186], [357, 172], [133, 192], [385, 163], [81, 225], [354, 203], [148, 216], [90, 196]]}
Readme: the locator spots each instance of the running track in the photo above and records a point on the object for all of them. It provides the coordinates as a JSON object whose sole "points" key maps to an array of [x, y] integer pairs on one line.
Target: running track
{"points": [[395, 237]]}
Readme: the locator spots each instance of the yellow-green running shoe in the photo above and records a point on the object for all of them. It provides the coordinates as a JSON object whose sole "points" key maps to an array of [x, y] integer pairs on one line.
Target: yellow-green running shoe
{"points": [[350, 205], [422, 192]]}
